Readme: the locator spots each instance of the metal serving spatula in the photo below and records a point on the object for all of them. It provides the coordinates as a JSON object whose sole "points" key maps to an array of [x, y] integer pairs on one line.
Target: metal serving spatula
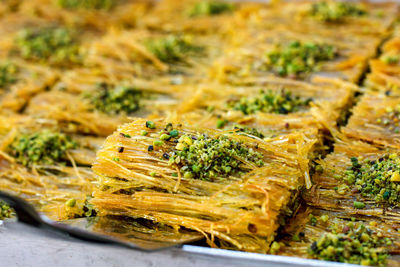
{"points": [[127, 232]]}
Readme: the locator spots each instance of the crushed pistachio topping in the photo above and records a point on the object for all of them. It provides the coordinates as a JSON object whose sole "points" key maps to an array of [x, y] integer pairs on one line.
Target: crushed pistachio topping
{"points": [[5, 210], [199, 156], [331, 11], [207, 158], [280, 102], [312, 219], [276, 247], [390, 59], [88, 208], [391, 119], [358, 204], [87, 4], [241, 129], [8, 74], [324, 218], [79, 208], [44, 147], [352, 243], [71, 202], [298, 58], [210, 8], [173, 48], [379, 179], [150, 125], [116, 99], [53, 44], [221, 123]]}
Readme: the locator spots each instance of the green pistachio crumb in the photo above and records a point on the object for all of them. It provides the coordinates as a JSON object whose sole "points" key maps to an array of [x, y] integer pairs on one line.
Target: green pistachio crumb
{"points": [[324, 218], [280, 102], [319, 168], [275, 247], [54, 45], [174, 133], [241, 129], [353, 243], [296, 238], [89, 209], [390, 119], [390, 59], [173, 48], [196, 168], [188, 174], [143, 132], [221, 123], [115, 100], [210, 108], [378, 178], [210, 8], [158, 143], [313, 220], [298, 58], [206, 158], [150, 125], [359, 205], [70, 202], [342, 189], [5, 210], [87, 4], [44, 147], [165, 137], [330, 11], [8, 74]]}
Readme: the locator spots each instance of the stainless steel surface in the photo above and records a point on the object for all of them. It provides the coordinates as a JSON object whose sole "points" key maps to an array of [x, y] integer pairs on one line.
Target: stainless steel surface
{"points": [[268, 260]]}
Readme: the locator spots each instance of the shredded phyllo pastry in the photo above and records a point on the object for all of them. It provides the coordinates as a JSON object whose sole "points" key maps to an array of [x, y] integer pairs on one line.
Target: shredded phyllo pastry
{"points": [[262, 127], [227, 186]]}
